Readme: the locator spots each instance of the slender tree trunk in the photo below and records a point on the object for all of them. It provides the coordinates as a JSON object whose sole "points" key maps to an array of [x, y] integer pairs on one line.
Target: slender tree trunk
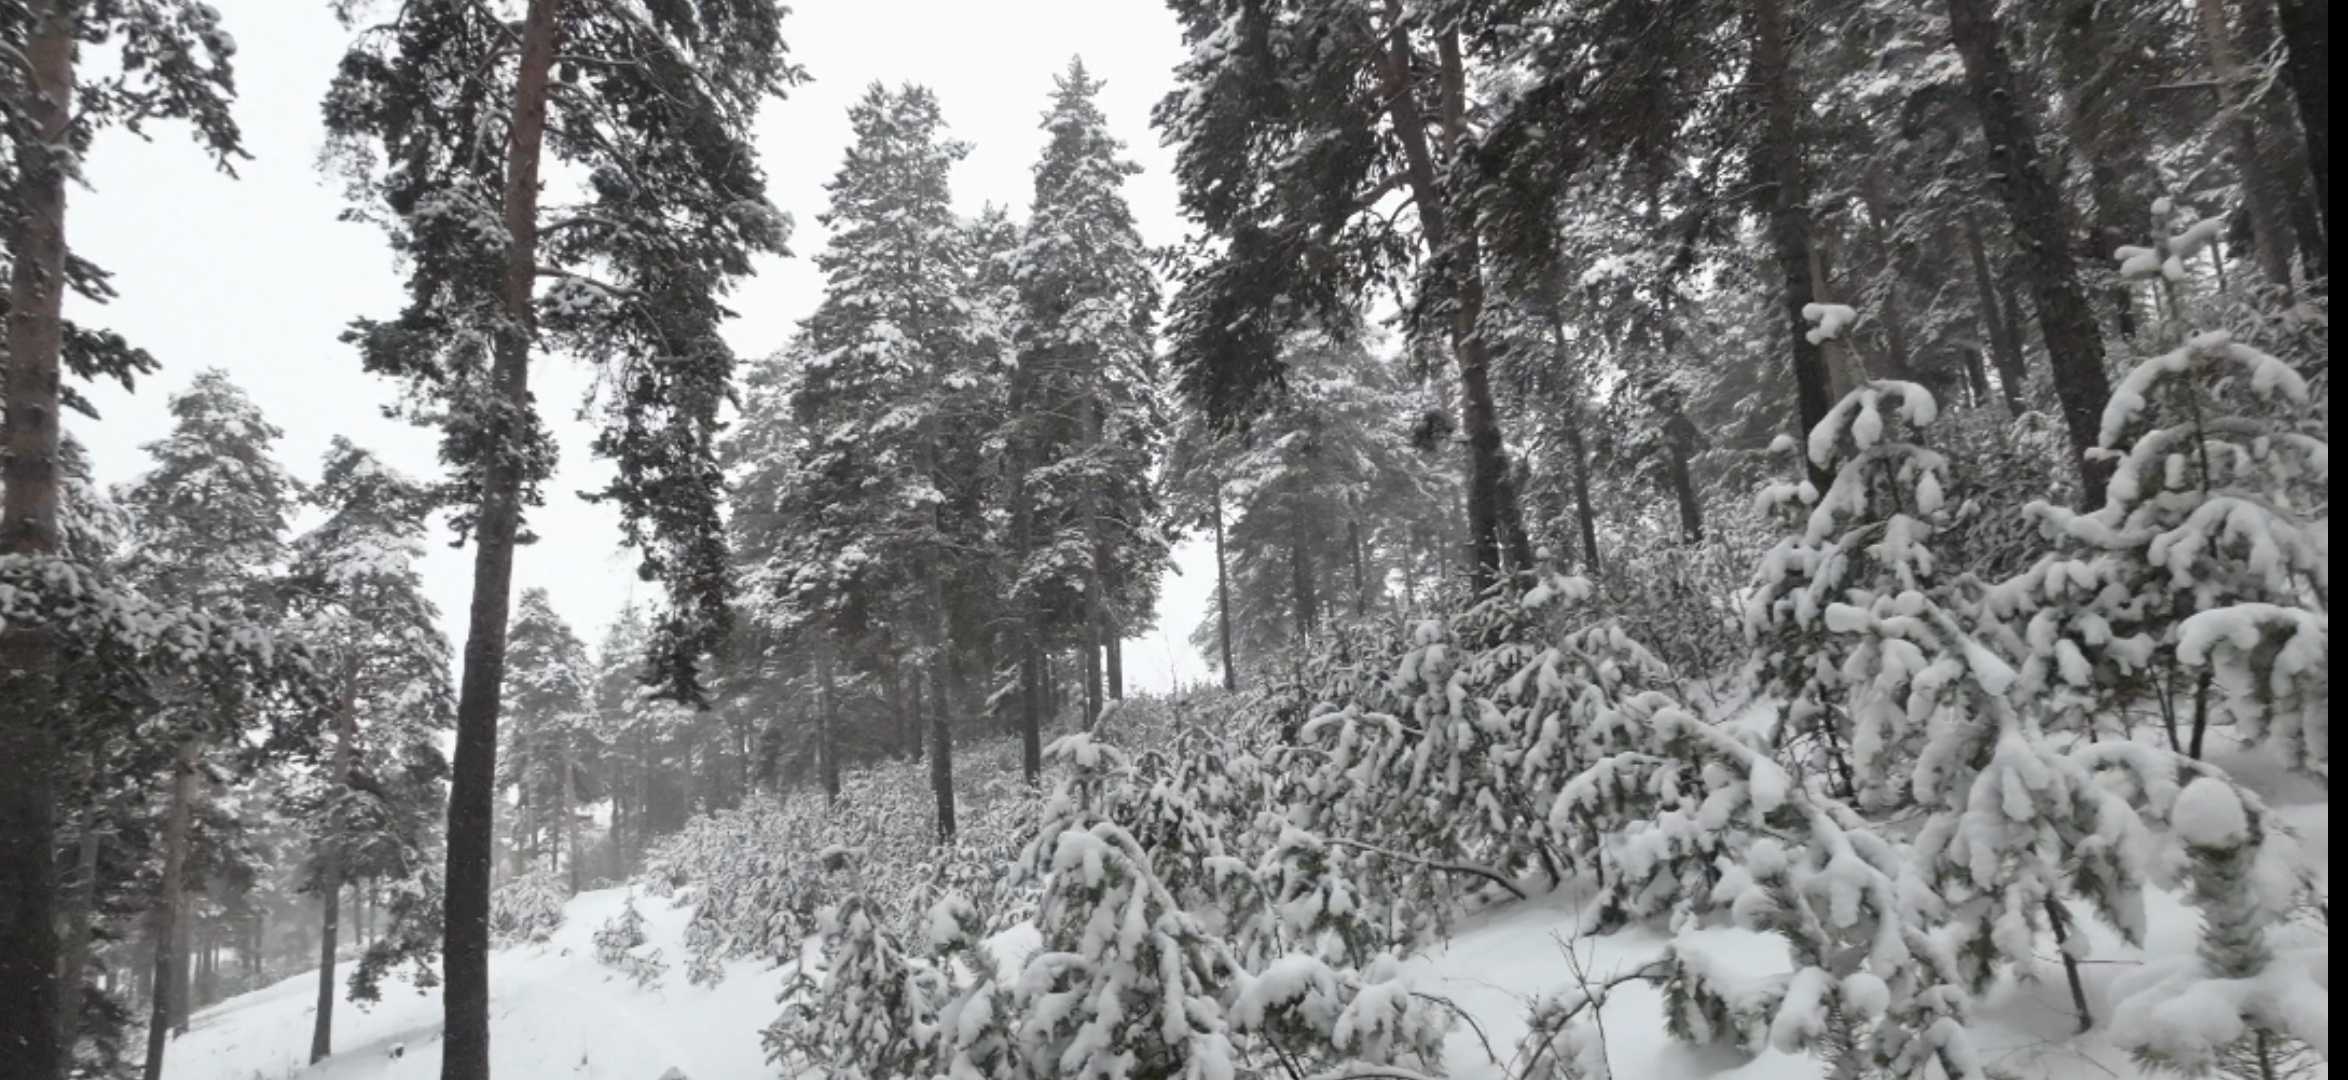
{"points": [[2042, 229], [1115, 668], [473, 787], [1779, 168], [43, 88], [1031, 702], [2307, 28], [73, 971], [346, 736], [940, 701], [1495, 524], [183, 965], [2262, 196], [1353, 544], [329, 918], [1300, 580], [1223, 598], [2005, 348], [827, 724], [570, 814], [1095, 612], [163, 925]]}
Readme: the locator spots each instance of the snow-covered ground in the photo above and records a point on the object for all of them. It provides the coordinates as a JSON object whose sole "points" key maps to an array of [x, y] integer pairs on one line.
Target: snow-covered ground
{"points": [[556, 1012]]}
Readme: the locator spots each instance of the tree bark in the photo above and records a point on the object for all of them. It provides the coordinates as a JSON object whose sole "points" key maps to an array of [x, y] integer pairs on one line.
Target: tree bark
{"points": [[73, 970], [473, 784], [2042, 230], [570, 814], [346, 736], [28, 527], [1495, 523], [2307, 51], [1115, 668], [2005, 349], [1778, 166], [827, 724], [2263, 197], [164, 924], [1302, 594], [1223, 598], [1088, 511]]}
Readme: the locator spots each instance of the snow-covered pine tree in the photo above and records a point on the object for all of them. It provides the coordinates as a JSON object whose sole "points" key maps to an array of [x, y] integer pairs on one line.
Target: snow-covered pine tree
{"points": [[890, 381], [358, 600], [211, 521], [551, 759], [1089, 423], [2219, 501], [440, 115], [2241, 1007], [873, 1010], [617, 942]]}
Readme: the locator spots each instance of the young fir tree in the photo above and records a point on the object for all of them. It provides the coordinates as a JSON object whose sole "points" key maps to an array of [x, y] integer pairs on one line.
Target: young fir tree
{"points": [[441, 115], [1087, 426], [176, 66], [549, 685], [358, 600], [211, 517], [890, 383]]}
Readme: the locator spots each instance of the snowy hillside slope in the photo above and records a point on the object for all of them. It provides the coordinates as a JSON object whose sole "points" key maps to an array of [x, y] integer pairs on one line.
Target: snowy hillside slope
{"points": [[557, 1013]]}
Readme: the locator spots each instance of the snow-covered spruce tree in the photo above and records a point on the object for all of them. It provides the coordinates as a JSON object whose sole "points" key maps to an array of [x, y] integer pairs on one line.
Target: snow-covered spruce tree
{"points": [[1088, 423], [890, 382], [440, 115], [549, 762], [211, 522], [357, 598], [2239, 1007], [617, 943], [172, 64], [1446, 772], [2220, 498], [873, 1010]]}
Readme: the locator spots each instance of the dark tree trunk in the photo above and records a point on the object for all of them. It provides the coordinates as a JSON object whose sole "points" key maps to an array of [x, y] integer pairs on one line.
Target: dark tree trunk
{"points": [[827, 722], [2005, 346], [329, 916], [940, 700], [1223, 598], [1031, 703], [164, 925], [2307, 65], [1302, 594], [473, 783], [570, 815], [44, 88], [1115, 667], [1778, 166], [346, 734], [2042, 230], [1096, 616], [2263, 197], [1353, 544], [1495, 524], [74, 971]]}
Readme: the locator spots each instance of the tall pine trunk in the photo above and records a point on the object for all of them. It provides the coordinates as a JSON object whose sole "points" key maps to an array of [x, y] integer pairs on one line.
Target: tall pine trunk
{"points": [[2263, 196], [165, 922], [1778, 167], [1495, 523], [1223, 598], [570, 815], [2005, 347], [472, 804], [28, 527], [1088, 511], [827, 722], [346, 735], [2307, 57], [2042, 230], [73, 972]]}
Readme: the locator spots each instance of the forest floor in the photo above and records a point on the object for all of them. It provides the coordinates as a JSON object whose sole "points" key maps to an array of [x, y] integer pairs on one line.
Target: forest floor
{"points": [[557, 1013]]}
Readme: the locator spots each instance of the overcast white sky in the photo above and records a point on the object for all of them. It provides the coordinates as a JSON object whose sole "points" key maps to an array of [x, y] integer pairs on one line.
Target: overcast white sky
{"points": [[255, 275]]}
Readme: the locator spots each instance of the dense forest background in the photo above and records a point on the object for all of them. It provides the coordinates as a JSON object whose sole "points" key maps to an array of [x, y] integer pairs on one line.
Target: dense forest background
{"points": [[1846, 469]]}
